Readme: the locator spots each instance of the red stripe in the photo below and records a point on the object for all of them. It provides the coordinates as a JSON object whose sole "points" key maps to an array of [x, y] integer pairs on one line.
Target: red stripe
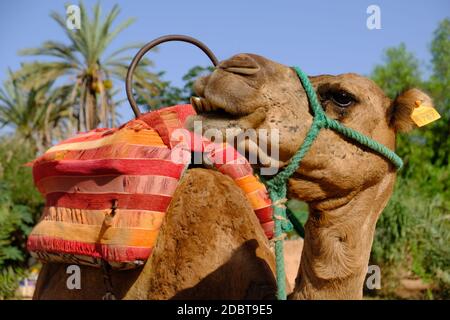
{"points": [[95, 201], [183, 112], [264, 214], [109, 184], [96, 250], [268, 228], [153, 120], [220, 154], [236, 171], [107, 166]]}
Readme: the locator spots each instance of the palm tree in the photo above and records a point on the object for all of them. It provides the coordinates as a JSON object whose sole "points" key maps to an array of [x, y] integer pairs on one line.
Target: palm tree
{"points": [[38, 115], [90, 74]]}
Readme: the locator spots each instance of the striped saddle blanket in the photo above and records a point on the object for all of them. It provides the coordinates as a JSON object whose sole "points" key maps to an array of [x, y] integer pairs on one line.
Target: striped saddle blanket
{"points": [[107, 190]]}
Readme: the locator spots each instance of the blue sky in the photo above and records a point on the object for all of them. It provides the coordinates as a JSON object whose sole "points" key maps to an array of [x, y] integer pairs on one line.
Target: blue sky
{"points": [[319, 36]]}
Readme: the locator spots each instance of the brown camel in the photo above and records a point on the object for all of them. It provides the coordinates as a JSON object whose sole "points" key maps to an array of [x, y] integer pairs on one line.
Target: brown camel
{"points": [[211, 245]]}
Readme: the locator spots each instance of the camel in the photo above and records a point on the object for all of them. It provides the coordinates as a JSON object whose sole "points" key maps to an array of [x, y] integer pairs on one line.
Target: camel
{"points": [[211, 245]]}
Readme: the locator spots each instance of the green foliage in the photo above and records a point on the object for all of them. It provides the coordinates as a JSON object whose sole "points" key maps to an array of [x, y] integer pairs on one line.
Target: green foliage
{"points": [[439, 87], [9, 281], [14, 224], [20, 205], [37, 114], [170, 95], [401, 71], [440, 49], [82, 63], [413, 233]]}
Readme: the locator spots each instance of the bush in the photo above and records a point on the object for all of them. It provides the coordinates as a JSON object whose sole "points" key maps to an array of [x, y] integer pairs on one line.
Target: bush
{"points": [[20, 205], [413, 233], [9, 281]]}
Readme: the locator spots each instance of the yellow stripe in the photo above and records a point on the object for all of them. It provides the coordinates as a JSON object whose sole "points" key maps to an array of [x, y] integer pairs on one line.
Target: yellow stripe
{"points": [[142, 137], [94, 234]]}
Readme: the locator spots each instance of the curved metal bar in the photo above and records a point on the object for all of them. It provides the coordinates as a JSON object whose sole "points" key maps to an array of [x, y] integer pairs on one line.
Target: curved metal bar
{"points": [[149, 46]]}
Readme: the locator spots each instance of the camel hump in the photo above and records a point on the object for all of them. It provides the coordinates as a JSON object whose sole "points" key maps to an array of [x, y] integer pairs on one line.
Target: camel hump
{"points": [[211, 245]]}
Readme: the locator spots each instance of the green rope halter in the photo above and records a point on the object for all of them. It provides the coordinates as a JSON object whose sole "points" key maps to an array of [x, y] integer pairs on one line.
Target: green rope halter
{"points": [[278, 185]]}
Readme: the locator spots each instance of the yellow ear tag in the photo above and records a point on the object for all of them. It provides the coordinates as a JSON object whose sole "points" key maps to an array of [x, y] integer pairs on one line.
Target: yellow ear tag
{"points": [[423, 115]]}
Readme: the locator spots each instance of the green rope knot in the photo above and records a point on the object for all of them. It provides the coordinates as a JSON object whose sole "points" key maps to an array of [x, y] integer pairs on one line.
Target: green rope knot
{"points": [[286, 225]]}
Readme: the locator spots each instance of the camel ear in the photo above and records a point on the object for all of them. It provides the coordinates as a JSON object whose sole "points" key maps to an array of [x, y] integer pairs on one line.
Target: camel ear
{"points": [[403, 106]]}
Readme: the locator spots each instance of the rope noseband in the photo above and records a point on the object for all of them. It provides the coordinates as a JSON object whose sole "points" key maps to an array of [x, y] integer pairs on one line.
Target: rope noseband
{"points": [[278, 185]]}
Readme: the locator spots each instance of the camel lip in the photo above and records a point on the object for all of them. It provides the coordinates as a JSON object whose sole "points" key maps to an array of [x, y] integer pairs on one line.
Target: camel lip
{"points": [[201, 105], [204, 106]]}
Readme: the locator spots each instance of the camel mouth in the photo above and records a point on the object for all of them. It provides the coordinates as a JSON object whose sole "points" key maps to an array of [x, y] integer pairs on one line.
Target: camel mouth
{"points": [[203, 105], [213, 107], [240, 131]]}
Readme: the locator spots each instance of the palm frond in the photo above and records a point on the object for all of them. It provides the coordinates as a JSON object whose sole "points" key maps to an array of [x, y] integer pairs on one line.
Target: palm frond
{"points": [[36, 74], [123, 49], [82, 68], [53, 49]]}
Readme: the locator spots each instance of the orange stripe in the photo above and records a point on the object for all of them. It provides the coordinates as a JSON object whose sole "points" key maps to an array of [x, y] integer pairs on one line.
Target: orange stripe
{"points": [[143, 137], [257, 201], [249, 184], [92, 234], [124, 218], [170, 119]]}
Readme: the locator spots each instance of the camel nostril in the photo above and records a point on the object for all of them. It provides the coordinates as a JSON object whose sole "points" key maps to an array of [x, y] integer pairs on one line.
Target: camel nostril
{"points": [[240, 64]]}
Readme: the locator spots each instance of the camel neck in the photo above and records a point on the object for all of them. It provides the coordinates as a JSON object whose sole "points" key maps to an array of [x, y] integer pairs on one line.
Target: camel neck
{"points": [[338, 240]]}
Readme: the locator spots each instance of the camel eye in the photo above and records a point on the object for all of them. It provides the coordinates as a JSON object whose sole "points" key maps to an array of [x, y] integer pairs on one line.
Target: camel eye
{"points": [[342, 98]]}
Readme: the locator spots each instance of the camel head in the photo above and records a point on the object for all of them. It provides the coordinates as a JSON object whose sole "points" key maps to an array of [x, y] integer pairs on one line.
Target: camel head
{"points": [[345, 184], [248, 91]]}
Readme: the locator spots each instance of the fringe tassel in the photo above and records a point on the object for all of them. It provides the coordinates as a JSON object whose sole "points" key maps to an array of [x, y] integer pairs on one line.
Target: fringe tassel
{"points": [[122, 254]]}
